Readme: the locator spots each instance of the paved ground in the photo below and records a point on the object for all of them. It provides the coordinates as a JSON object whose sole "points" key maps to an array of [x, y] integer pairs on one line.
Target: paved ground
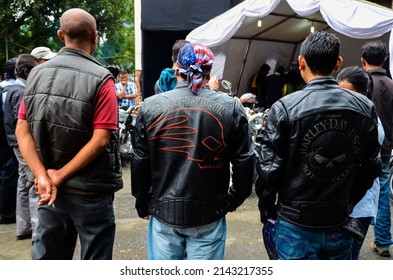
{"points": [[244, 240]]}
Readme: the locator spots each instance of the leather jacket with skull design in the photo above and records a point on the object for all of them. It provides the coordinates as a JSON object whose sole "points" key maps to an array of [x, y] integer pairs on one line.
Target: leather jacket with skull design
{"points": [[319, 155], [185, 146]]}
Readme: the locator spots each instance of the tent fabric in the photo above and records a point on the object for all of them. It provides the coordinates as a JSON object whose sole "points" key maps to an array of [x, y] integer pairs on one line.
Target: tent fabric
{"points": [[161, 23], [221, 28], [304, 7], [174, 15], [353, 19]]}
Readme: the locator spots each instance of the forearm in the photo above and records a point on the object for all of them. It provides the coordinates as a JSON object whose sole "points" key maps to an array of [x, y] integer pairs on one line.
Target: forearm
{"points": [[43, 184], [242, 159], [121, 94], [141, 169], [242, 180], [271, 163], [130, 96], [28, 149], [140, 184]]}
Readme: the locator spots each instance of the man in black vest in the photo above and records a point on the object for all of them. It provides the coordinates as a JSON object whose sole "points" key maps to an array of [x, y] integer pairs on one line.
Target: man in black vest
{"points": [[66, 133]]}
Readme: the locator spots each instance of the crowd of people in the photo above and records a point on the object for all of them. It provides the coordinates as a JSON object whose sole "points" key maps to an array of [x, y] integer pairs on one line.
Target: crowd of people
{"points": [[322, 164]]}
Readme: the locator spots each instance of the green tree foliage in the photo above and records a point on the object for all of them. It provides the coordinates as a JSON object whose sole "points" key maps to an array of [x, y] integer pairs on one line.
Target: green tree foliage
{"points": [[26, 24]]}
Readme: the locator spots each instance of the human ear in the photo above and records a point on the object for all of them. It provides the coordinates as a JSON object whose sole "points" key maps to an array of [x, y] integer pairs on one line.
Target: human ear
{"points": [[302, 63], [60, 34], [339, 62]]}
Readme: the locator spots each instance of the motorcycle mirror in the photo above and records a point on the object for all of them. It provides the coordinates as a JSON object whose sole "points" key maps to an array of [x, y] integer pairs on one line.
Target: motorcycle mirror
{"points": [[226, 84]]}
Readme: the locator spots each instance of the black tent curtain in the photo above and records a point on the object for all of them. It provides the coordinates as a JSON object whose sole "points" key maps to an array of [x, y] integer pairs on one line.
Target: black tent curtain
{"points": [[165, 21]]}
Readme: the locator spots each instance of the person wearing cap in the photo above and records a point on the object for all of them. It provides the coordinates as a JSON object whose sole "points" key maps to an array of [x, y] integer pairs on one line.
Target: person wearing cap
{"points": [[43, 54], [185, 142]]}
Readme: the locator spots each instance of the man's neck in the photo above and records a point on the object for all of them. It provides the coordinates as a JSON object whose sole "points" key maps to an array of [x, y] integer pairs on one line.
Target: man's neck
{"points": [[369, 67]]}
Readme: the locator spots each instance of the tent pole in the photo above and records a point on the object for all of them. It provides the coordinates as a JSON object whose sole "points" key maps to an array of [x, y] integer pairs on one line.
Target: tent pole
{"points": [[244, 63], [293, 54]]}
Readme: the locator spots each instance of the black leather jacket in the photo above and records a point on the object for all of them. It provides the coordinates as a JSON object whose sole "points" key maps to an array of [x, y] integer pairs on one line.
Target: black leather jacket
{"points": [[184, 144], [320, 154]]}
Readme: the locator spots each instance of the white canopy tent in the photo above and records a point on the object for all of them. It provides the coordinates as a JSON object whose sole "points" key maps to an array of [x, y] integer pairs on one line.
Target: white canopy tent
{"points": [[256, 31]]}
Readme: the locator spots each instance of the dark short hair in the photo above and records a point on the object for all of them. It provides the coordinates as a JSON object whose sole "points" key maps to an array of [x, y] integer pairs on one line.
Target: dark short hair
{"points": [[281, 70], [25, 62], [8, 68], [356, 76], [123, 71], [321, 51], [264, 68], [374, 52], [176, 48]]}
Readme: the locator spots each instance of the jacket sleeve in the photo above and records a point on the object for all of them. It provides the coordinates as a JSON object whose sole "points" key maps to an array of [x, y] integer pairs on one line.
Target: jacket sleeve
{"points": [[271, 161], [140, 168], [370, 167], [242, 159]]}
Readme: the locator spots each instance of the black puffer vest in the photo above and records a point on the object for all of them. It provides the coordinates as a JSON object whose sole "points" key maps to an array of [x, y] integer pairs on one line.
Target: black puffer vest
{"points": [[60, 98]]}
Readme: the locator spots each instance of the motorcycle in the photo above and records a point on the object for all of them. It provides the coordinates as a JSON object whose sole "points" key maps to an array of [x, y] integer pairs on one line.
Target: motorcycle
{"points": [[256, 116], [127, 121], [228, 86]]}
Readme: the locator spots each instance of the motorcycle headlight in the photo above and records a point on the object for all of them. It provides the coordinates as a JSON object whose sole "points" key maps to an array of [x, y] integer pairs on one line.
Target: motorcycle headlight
{"points": [[256, 123]]}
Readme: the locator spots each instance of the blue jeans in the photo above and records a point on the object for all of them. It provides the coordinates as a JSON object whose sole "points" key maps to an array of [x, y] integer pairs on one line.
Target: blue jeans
{"points": [[206, 242], [89, 216], [382, 233], [295, 242], [365, 221]]}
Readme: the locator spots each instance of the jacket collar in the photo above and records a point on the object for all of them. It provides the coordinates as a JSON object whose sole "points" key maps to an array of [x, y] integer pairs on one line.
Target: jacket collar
{"points": [[79, 52], [377, 71], [182, 84], [325, 81], [21, 82]]}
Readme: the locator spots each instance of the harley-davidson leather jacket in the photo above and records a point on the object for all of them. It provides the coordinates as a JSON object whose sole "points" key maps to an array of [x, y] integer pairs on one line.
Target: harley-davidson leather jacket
{"points": [[183, 147], [319, 155]]}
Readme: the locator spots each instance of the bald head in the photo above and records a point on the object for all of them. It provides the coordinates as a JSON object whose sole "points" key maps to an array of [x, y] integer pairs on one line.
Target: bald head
{"points": [[78, 28], [77, 24]]}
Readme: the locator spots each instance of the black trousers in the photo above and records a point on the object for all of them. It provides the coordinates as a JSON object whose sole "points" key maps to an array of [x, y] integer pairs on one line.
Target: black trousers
{"points": [[8, 184]]}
